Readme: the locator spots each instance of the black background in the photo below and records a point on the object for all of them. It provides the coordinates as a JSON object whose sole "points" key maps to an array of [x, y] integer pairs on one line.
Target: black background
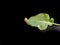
{"points": [[15, 30]]}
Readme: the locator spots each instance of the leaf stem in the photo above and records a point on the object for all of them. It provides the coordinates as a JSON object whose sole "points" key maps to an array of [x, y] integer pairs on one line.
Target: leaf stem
{"points": [[56, 24]]}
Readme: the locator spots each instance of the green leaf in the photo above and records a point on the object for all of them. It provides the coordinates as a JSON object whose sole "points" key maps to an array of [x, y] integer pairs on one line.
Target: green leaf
{"points": [[41, 20]]}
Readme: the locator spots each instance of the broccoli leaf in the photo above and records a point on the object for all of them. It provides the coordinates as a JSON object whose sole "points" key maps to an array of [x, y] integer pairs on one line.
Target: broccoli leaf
{"points": [[41, 20]]}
